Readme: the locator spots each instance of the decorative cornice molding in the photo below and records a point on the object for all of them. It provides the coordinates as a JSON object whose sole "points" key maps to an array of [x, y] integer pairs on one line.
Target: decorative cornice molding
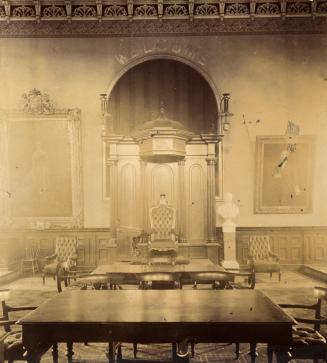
{"points": [[74, 18], [169, 27]]}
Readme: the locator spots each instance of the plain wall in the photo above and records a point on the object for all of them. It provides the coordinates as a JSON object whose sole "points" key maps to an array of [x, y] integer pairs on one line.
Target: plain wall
{"points": [[271, 78]]}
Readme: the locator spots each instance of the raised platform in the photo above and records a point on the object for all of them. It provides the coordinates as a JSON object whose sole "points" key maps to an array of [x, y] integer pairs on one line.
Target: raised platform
{"points": [[8, 276], [318, 272]]}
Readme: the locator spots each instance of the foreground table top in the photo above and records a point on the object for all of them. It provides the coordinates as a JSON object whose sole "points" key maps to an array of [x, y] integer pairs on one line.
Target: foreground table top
{"points": [[154, 316]]}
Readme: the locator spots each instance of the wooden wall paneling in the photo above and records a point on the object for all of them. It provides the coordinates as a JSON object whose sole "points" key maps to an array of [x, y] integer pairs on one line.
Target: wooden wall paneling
{"points": [[315, 246], [197, 208], [288, 245], [198, 251]]}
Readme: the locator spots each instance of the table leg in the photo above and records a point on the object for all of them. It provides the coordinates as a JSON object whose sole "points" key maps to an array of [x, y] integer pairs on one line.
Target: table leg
{"points": [[253, 352], [111, 356], [33, 357], [282, 354], [70, 352], [55, 353], [174, 349]]}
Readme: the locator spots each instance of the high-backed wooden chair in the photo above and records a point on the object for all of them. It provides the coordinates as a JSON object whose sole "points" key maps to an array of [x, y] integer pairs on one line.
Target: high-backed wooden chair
{"points": [[163, 242], [64, 259], [30, 260], [260, 257], [308, 342]]}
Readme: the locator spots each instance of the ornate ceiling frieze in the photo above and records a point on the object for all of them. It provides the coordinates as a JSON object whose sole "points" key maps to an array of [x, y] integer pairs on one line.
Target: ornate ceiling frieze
{"points": [[44, 18]]}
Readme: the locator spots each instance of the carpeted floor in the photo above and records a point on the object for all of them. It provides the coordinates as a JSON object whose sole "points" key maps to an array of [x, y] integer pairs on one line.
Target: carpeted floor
{"points": [[294, 288]]}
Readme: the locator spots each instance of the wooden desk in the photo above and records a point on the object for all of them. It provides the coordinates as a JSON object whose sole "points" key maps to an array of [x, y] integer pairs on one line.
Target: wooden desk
{"points": [[155, 316]]}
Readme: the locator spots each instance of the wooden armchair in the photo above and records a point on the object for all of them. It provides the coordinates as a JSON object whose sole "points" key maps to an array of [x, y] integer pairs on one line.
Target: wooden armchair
{"points": [[260, 257], [11, 345], [64, 259], [163, 242], [307, 342]]}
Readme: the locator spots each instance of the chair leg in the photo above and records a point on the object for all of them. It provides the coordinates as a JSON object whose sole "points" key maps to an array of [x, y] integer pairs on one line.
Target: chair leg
{"points": [[135, 350], [70, 352], [119, 352], [270, 274], [43, 278], [279, 275], [192, 349]]}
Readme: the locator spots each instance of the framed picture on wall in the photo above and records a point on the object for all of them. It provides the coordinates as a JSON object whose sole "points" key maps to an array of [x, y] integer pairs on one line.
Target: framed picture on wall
{"points": [[284, 167], [40, 172]]}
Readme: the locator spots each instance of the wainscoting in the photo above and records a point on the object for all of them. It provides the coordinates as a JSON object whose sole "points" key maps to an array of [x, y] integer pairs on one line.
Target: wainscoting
{"points": [[295, 246]]}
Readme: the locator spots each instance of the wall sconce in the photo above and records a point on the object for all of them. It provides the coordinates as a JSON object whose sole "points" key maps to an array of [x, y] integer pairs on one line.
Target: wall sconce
{"points": [[224, 114], [104, 103]]}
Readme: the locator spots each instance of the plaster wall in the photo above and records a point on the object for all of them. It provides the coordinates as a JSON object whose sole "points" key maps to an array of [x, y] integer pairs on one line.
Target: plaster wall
{"points": [[272, 78]]}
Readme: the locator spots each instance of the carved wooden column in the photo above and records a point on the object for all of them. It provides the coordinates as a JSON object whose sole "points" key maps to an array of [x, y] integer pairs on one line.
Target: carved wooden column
{"points": [[211, 199], [211, 140], [181, 203], [113, 196], [144, 201]]}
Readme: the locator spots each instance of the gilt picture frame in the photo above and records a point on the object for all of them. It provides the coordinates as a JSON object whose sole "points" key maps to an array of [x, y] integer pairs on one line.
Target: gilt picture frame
{"points": [[41, 166], [284, 170]]}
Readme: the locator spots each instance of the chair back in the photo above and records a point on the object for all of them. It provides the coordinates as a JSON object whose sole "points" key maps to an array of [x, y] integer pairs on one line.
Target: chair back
{"points": [[66, 247], [162, 222], [6, 309], [32, 252], [259, 247], [158, 280], [218, 280]]}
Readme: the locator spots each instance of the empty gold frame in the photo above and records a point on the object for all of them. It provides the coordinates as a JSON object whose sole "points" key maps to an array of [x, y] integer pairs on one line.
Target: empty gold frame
{"points": [[284, 174], [40, 166]]}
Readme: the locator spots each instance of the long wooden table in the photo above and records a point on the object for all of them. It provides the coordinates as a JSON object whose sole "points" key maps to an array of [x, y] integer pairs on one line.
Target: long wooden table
{"points": [[155, 316]]}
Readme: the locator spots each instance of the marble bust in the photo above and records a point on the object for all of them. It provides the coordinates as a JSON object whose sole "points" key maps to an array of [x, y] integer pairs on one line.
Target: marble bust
{"points": [[228, 211]]}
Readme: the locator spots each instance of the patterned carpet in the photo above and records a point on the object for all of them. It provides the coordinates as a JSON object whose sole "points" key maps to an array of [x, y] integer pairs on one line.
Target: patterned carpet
{"points": [[294, 288]]}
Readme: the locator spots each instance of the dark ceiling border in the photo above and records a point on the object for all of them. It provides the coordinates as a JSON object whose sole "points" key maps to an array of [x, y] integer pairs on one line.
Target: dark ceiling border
{"points": [[154, 27]]}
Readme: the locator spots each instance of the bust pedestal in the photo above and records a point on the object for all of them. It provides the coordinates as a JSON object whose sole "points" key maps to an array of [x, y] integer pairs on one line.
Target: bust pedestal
{"points": [[229, 233], [228, 211]]}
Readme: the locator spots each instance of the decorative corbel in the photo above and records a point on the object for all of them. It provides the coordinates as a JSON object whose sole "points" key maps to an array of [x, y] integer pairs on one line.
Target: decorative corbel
{"points": [[130, 9], [7, 6], [37, 10], [99, 9], [68, 10], [221, 10], [252, 9], [160, 9], [191, 9], [283, 8]]}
